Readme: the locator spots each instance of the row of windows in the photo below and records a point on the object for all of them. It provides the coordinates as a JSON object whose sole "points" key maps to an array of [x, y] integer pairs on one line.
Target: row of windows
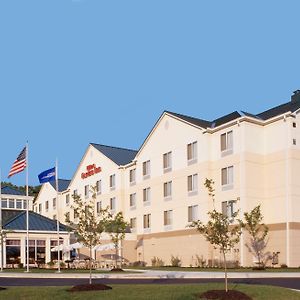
{"points": [[192, 186], [228, 209], [14, 203]]}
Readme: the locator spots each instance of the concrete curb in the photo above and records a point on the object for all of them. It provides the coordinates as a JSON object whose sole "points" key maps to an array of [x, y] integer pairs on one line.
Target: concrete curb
{"points": [[154, 275]]}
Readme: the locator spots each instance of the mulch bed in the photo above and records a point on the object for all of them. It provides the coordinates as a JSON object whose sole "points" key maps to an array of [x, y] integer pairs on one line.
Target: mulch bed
{"points": [[223, 295], [89, 287], [2, 288], [116, 270]]}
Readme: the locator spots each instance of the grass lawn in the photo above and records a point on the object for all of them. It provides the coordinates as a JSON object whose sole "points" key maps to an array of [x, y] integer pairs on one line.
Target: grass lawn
{"points": [[151, 292], [35, 270]]}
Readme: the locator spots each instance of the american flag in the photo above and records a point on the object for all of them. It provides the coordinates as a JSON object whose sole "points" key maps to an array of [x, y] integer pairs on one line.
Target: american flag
{"points": [[19, 164]]}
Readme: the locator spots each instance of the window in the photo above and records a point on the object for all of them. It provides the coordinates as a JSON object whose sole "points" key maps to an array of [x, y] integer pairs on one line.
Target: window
{"points": [[4, 203], [11, 203], [192, 182], [168, 189], [76, 214], [13, 251], [19, 204], [54, 217], [112, 204], [47, 205], [133, 224], [54, 203], [167, 162], [132, 174], [40, 208], [25, 204], [192, 213], [168, 217], [228, 208], [147, 221], [112, 181], [192, 152], [99, 207], [146, 196], [294, 142], [226, 143], [227, 178], [67, 200], [294, 124], [132, 200], [146, 169], [98, 187], [86, 191]]}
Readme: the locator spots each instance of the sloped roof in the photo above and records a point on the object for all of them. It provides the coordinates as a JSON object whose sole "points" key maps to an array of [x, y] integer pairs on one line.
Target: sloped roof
{"points": [[120, 156], [198, 122], [63, 184], [7, 190], [37, 222], [291, 106]]}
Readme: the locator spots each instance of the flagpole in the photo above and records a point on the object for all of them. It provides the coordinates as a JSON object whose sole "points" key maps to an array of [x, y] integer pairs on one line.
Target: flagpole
{"points": [[57, 218], [1, 237], [27, 210]]}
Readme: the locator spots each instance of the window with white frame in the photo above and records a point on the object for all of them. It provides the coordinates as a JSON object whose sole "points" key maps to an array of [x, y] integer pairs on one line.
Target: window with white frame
{"points": [[226, 142], [168, 189], [98, 207], [47, 205], [227, 177], [133, 224], [40, 208], [193, 213], [19, 203], [228, 208], [146, 195], [98, 187], [192, 183], [132, 175], [192, 152], [147, 221], [112, 181], [54, 203], [11, 203], [4, 203], [67, 200], [86, 191], [146, 169], [75, 193], [112, 204], [54, 217], [132, 200], [168, 217], [167, 162]]}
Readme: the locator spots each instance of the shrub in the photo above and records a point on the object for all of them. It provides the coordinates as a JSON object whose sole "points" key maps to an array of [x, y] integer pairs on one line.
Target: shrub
{"points": [[175, 261], [283, 266], [50, 264], [20, 265], [157, 262], [139, 264], [200, 262]]}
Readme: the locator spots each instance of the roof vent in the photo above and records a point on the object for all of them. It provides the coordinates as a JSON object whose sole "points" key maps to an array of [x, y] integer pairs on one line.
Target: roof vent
{"points": [[296, 96]]}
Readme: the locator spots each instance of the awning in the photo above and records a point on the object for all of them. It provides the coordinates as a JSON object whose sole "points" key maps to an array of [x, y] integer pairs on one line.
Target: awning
{"points": [[104, 247]]}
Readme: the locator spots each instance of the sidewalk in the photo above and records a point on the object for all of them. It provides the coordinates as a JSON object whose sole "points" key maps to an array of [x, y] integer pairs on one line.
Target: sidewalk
{"points": [[152, 274]]}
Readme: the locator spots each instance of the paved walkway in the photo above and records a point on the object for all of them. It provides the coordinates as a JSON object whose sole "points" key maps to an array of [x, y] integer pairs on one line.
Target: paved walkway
{"points": [[153, 274]]}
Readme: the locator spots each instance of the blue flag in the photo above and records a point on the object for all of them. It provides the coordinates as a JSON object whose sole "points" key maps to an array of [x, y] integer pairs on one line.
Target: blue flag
{"points": [[48, 175]]}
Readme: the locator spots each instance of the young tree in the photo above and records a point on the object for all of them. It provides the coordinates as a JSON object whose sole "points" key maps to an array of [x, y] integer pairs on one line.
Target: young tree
{"points": [[116, 226], [220, 230], [258, 232], [89, 228]]}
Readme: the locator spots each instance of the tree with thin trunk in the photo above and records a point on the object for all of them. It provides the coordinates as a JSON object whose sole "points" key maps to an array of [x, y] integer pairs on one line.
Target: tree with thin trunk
{"points": [[117, 227], [222, 231], [89, 228], [258, 232]]}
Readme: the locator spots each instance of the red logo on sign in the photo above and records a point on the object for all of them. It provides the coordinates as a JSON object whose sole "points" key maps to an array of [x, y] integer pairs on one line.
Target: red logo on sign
{"points": [[90, 171]]}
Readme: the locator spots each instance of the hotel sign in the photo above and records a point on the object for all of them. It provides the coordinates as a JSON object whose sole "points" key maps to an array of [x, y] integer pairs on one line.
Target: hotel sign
{"points": [[90, 171]]}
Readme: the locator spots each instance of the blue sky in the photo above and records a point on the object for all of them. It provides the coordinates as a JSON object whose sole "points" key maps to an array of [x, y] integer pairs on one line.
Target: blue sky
{"points": [[79, 71]]}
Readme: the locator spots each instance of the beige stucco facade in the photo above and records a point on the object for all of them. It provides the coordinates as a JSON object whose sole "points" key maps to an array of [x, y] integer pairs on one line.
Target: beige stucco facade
{"points": [[260, 163]]}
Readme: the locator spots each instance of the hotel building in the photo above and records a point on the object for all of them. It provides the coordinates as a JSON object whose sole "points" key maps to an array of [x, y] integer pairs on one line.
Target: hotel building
{"points": [[252, 158]]}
